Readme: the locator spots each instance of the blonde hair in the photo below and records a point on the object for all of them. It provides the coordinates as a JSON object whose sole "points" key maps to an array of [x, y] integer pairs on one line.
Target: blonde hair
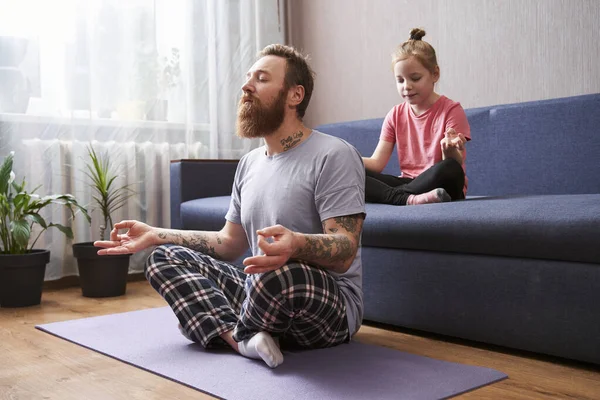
{"points": [[420, 49]]}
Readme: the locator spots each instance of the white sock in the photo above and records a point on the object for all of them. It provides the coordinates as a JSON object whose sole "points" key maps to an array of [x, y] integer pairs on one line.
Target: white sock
{"points": [[261, 347]]}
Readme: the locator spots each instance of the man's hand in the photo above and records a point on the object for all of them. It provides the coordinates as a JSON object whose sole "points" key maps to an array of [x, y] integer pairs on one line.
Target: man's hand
{"points": [[334, 250], [276, 252], [138, 237], [453, 145]]}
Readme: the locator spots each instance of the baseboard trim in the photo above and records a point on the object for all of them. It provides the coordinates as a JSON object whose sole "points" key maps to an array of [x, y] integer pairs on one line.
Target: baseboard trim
{"points": [[73, 281]]}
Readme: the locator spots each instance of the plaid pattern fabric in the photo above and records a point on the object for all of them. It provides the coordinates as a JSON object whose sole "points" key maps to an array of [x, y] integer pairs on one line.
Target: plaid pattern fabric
{"points": [[300, 304], [205, 294]]}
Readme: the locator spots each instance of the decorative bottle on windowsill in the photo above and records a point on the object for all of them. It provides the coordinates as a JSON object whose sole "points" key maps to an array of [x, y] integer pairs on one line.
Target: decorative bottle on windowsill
{"points": [[157, 109]]}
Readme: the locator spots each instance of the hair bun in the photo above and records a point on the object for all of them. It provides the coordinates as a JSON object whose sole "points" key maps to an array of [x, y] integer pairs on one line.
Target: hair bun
{"points": [[416, 34]]}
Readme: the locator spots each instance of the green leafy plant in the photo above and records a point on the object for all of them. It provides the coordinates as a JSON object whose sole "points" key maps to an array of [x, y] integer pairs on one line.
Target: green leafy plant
{"points": [[20, 211], [169, 72], [108, 196], [154, 75]]}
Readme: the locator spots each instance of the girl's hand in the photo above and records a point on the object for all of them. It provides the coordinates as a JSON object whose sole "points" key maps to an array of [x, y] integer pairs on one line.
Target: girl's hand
{"points": [[453, 145], [453, 139], [138, 237]]}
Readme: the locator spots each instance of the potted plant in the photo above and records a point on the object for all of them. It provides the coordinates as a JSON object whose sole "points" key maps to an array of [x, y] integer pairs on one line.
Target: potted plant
{"points": [[164, 72], [22, 266], [103, 276]]}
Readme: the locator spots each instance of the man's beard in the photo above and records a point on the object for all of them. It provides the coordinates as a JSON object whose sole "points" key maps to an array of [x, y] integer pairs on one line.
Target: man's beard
{"points": [[255, 120]]}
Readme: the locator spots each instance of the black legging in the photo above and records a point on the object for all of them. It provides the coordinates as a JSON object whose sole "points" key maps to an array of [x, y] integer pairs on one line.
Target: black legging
{"points": [[389, 189]]}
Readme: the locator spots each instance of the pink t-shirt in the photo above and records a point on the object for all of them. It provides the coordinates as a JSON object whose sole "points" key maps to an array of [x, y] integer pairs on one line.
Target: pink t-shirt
{"points": [[418, 138]]}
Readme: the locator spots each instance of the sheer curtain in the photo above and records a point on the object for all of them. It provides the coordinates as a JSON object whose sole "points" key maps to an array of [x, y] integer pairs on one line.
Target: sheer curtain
{"points": [[146, 81]]}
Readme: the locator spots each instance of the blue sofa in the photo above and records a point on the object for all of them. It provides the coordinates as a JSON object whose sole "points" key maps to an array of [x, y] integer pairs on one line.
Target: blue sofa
{"points": [[516, 264]]}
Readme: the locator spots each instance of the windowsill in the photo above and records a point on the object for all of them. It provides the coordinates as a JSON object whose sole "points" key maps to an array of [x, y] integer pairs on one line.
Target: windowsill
{"points": [[101, 122]]}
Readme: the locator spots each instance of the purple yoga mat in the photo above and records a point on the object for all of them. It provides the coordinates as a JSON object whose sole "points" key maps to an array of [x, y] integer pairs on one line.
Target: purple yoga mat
{"points": [[149, 339]]}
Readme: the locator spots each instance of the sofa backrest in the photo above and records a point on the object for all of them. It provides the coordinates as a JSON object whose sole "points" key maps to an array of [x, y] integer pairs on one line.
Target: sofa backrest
{"points": [[538, 147], [364, 135]]}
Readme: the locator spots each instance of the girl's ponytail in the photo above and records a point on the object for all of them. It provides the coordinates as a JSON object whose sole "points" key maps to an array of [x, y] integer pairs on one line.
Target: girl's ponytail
{"points": [[420, 49], [416, 34]]}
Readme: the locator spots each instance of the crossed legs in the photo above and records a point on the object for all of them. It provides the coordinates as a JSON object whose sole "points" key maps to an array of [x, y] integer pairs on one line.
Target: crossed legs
{"points": [[217, 304]]}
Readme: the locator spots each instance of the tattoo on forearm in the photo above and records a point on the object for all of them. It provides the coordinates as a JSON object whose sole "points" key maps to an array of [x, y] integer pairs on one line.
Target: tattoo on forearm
{"points": [[197, 242], [335, 245], [323, 247], [291, 140], [162, 235], [351, 223]]}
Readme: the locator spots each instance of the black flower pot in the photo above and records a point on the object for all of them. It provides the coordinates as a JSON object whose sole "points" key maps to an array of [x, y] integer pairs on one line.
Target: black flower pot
{"points": [[100, 276], [22, 278]]}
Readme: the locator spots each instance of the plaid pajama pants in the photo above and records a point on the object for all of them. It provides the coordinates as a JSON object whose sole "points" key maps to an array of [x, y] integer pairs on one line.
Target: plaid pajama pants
{"points": [[299, 304]]}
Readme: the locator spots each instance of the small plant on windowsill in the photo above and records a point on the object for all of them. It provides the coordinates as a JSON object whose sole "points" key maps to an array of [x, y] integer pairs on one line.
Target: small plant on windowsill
{"points": [[170, 72], [22, 267], [167, 72], [103, 276]]}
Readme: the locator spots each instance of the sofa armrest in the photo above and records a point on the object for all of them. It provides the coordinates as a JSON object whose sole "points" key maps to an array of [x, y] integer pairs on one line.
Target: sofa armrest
{"points": [[196, 179]]}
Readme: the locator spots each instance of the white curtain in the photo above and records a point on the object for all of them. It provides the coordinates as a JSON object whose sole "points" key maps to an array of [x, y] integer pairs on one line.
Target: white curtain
{"points": [[148, 81]]}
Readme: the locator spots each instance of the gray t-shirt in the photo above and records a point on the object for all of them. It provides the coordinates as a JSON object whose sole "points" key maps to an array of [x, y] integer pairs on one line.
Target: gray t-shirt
{"points": [[323, 177]]}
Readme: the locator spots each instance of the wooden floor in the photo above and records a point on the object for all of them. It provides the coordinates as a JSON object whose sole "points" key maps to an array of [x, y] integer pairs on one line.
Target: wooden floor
{"points": [[36, 365]]}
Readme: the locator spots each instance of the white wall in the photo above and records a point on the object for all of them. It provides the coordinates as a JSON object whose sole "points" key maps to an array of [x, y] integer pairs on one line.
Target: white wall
{"points": [[489, 51]]}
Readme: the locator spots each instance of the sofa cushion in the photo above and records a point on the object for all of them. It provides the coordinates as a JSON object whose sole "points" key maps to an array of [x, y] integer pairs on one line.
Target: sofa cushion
{"points": [[207, 214], [555, 227]]}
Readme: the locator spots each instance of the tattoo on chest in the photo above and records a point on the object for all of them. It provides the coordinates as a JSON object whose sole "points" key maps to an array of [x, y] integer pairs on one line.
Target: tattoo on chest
{"points": [[291, 140]]}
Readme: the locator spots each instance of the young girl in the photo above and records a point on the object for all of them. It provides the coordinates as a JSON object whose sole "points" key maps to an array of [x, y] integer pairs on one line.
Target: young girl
{"points": [[429, 132]]}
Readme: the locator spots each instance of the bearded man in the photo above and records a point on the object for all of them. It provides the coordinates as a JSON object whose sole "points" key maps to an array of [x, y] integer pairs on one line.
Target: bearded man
{"points": [[298, 201]]}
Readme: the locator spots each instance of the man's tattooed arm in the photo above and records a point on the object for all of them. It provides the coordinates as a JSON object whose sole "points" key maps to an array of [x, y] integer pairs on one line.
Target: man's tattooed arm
{"points": [[227, 244], [337, 247], [204, 242]]}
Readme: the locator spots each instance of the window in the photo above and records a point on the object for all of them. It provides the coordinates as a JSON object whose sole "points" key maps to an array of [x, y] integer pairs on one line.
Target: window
{"points": [[107, 59]]}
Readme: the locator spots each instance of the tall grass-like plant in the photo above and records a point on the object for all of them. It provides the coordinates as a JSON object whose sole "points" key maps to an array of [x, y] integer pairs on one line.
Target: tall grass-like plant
{"points": [[20, 211], [108, 196], [103, 276]]}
